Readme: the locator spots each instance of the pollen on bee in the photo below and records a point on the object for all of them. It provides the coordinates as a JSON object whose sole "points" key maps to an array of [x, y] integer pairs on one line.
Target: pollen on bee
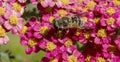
{"points": [[75, 24]]}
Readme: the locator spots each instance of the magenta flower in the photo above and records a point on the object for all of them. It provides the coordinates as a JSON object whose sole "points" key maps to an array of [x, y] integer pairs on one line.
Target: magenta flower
{"points": [[32, 43], [41, 29], [109, 22], [118, 22], [94, 52], [115, 58], [57, 55], [98, 40], [91, 43], [76, 56], [117, 41], [26, 37]]}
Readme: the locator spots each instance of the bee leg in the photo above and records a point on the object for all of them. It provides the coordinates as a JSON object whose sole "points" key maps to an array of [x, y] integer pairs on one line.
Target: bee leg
{"points": [[66, 32]]}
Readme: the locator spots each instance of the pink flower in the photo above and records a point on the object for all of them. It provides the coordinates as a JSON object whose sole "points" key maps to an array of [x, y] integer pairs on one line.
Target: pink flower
{"points": [[2, 20], [52, 3], [15, 29], [117, 41], [4, 40], [11, 1], [45, 59], [115, 58], [11, 16], [22, 1], [109, 22], [41, 29], [32, 43], [44, 3], [33, 1], [3, 37]]}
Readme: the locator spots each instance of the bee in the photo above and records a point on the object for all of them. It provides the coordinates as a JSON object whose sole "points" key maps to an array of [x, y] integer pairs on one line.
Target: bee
{"points": [[67, 22]]}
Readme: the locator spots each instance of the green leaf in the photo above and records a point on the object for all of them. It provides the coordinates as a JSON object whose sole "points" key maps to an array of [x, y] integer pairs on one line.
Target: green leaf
{"points": [[4, 57], [18, 51], [30, 11]]}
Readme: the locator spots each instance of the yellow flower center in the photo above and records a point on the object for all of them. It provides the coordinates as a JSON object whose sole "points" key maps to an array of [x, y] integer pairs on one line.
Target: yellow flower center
{"points": [[86, 35], [32, 42], [50, 46], [13, 19], [17, 6], [72, 58], [68, 43], [48, 9], [100, 59], [105, 4], [40, 1], [24, 29], [78, 31], [85, 9], [84, 19], [110, 21], [91, 4], [79, 1], [116, 2], [96, 20], [43, 30], [87, 59], [2, 11], [53, 60], [101, 33], [111, 49], [51, 18], [65, 2], [76, 8], [2, 32], [110, 10], [62, 12], [55, 0]]}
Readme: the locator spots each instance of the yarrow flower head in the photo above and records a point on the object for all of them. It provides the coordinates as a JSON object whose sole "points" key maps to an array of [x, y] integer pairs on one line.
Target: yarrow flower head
{"points": [[97, 40], [10, 18]]}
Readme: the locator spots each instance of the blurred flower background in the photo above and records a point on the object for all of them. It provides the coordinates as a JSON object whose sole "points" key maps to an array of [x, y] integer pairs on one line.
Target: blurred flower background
{"points": [[13, 51]]}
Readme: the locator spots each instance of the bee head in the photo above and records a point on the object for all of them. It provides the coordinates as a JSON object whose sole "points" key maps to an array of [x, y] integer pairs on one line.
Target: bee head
{"points": [[54, 23]]}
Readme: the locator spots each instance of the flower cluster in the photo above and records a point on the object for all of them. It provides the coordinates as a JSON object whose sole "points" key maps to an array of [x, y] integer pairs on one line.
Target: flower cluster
{"points": [[98, 41], [10, 18]]}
